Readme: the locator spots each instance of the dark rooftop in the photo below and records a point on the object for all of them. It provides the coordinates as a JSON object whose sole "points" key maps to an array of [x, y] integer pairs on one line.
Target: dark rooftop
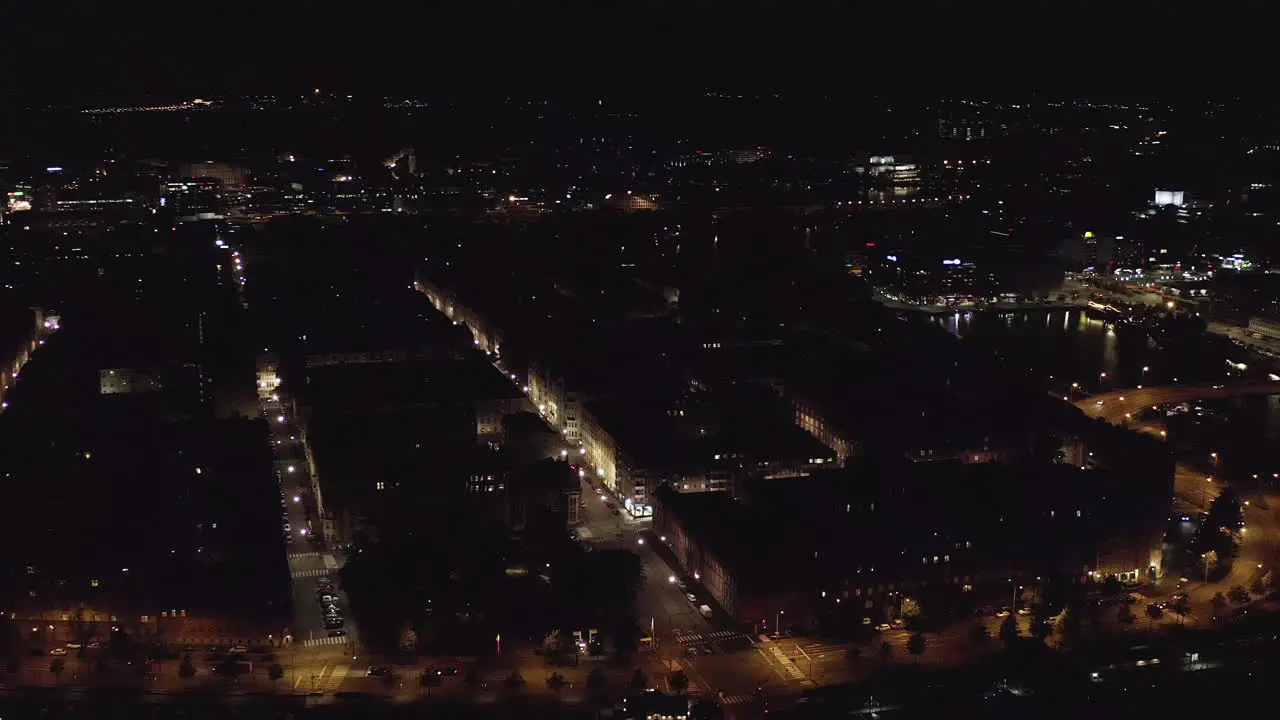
{"points": [[419, 383], [202, 488]]}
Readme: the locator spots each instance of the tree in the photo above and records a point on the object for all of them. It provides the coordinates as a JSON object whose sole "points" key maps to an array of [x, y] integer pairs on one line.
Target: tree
{"points": [[563, 645], [1210, 561], [1070, 626], [1223, 520], [979, 635], [916, 645], [910, 608], [1225, 512], [678, 682], [1181, 604], [556, 681], [1154, 613], [639, 680], [1238, 595], [186, 670], [886, 652], [1125, 616], [1258, 587], [408, 639], [1009, 632], [597, 684], [57, 667], [1219, 603], [275, 672]]}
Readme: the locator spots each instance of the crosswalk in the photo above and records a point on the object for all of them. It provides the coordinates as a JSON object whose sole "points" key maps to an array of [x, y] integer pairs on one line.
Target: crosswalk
{"points": [[780, 657], [335, 676], [321, 641], [684, 636], [734, 699], [318, 572], [304, 555]]}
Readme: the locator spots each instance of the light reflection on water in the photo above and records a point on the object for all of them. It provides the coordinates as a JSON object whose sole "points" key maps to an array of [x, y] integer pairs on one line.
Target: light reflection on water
{"points": [[1071, 346]]}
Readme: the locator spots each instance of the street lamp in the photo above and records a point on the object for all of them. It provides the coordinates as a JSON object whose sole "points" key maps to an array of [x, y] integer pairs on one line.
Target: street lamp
{"points": [[671, 579]]}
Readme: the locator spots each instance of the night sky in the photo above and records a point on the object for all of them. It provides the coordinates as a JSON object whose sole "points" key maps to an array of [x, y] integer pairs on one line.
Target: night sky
{"points": [[76, 49]]}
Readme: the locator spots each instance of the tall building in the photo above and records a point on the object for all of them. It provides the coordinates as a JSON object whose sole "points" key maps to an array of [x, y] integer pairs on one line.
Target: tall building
{"points": [[226, 173], [193, 199]]}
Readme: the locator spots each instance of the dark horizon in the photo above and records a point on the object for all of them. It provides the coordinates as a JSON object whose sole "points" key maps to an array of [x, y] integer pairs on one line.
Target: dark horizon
{"points": [[74, 52]]}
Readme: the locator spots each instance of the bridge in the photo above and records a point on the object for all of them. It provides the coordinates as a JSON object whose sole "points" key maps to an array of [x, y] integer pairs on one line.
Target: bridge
{"points": [[1117, 405]]}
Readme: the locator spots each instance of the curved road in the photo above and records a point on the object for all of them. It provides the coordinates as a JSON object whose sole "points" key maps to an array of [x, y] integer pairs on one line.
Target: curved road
{"points": [[1117, 403], [1194, 489]]}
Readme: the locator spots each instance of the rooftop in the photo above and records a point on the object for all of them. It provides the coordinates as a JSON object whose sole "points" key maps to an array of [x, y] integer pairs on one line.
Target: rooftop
{"points": [[376, 387]]}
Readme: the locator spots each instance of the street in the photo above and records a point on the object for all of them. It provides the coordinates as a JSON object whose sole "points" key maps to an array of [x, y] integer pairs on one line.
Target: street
{"points": [[312, 649], [1194, 489]]}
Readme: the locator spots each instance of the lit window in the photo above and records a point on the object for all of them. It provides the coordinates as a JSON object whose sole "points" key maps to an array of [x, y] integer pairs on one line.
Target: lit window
{"points": [[380, 485], [93, 583]]}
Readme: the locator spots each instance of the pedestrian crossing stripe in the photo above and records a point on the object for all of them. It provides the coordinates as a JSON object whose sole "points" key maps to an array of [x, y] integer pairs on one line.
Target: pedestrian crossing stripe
{"points": [[302, 555], [318, 572], [317, 642], [718, 635], [335, 677], [734, 699]]}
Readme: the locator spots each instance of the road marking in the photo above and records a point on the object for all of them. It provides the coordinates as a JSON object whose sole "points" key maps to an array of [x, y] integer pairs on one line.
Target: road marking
{"points": [[321, 572], [316, 642], [734, 699], [771, 649], [335, 678], [329, 562], [303, 555]]}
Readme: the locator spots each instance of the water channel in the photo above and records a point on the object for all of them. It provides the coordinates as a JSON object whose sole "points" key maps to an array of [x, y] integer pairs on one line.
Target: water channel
{"points": [[1069, 346]]}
